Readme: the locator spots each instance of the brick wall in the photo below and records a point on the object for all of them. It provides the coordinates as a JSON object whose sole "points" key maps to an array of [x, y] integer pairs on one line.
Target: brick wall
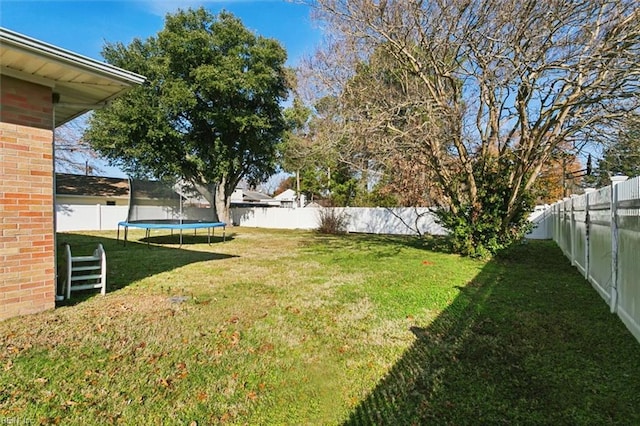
{"points": [[27, 257]]}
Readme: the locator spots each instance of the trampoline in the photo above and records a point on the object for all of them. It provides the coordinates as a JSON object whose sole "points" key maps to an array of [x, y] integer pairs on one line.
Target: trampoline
{"points": [[157, 205]]}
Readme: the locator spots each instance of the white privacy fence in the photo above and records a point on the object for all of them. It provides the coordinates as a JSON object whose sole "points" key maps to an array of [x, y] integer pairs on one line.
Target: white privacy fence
{"points": [[82, 217], [396, 221], [600, 233], [98, 217], [379, 220]]}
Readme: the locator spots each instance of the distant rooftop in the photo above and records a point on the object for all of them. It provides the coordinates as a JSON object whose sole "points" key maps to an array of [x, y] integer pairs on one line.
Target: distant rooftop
{"points": [[94, 186]]}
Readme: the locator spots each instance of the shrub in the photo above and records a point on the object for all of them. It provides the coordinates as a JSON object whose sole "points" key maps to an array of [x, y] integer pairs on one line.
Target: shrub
{"points": [[480, 231], [332, 221]]}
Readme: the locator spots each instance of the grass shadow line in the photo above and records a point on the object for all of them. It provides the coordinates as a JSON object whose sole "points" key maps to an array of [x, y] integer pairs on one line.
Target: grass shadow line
{"points": [[527, 341]]}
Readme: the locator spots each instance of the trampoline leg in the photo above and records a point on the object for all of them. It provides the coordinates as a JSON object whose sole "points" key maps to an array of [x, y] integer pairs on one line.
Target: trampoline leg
{"points": [[147, 235]]}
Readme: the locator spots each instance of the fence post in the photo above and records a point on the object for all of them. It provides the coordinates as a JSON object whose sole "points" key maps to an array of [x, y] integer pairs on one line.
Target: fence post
{"points": [[615, 180], [587, 231], [572, 232]]}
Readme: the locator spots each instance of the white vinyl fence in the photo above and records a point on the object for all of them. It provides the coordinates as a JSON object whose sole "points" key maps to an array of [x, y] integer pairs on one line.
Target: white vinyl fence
{"points": [[600, 233], [397, 221], [392, 221], [83, 217], [98, 217]]}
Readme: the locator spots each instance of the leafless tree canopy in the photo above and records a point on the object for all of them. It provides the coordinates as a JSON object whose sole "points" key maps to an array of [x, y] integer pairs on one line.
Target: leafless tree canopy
{"points": [[73, 153], [475, 87]]}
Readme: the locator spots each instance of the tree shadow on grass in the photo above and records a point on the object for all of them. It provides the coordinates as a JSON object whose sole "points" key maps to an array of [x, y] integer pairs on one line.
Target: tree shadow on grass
{"points": [[527, 341], [135, 260]]}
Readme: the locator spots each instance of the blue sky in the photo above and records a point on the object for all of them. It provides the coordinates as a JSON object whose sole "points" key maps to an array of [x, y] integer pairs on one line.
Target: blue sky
{"points": [[83, 26]]}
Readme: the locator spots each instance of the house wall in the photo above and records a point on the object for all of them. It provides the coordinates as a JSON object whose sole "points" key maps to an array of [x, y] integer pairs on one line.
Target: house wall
{"points": [[27, 256], [90, 200]]}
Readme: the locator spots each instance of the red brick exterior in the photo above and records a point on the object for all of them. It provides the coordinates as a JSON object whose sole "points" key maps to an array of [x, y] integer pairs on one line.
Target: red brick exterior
{"points": [[27, 255]]}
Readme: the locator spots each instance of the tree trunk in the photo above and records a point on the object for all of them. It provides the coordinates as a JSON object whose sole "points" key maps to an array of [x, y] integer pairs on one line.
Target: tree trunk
{"points": [[222, 202], [298, 200], [219, 199]]}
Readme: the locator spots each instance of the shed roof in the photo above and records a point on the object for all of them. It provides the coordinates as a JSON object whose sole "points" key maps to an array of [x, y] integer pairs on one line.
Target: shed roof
{"points": [[82, 83]]}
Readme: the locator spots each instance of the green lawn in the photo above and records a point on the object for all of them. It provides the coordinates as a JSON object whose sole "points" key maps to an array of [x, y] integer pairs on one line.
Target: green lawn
{"points": [[286, 327]]}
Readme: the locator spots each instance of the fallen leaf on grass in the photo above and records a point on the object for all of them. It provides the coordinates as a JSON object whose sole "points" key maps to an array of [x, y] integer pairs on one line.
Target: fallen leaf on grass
{"points": [[293, 310], [267, 347], [234, 338], [164, 382]]}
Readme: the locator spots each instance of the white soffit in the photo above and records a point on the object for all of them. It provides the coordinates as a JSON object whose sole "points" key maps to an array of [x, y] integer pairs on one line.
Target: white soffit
{"points": [[82, 83]]}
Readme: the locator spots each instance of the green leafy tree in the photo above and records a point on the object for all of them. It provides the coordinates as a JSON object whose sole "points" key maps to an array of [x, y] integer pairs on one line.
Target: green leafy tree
{"points": [[210, 112], [623, 155]]}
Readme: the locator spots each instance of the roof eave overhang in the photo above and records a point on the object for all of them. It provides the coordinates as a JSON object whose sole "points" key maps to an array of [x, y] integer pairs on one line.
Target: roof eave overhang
{"points": [[112, 80]]}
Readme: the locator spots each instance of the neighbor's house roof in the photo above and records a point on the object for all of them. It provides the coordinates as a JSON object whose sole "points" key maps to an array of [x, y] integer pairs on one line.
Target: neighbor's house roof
{"points": [[288, 195], [255, 197], [91, 186], [99, 186], [82, 83]]}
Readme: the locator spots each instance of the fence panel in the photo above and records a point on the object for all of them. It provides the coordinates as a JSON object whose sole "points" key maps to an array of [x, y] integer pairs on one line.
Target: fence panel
{"points": [[397, 221], [628, 260], [276, 218], [565, 227], [95, 217], [599, 273], [600, 233], [579, 234]]}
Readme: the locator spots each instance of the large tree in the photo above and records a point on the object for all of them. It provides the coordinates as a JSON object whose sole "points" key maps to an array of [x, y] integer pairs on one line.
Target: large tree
{"points": [[483, 91], [622, 153], [210, 112]]}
